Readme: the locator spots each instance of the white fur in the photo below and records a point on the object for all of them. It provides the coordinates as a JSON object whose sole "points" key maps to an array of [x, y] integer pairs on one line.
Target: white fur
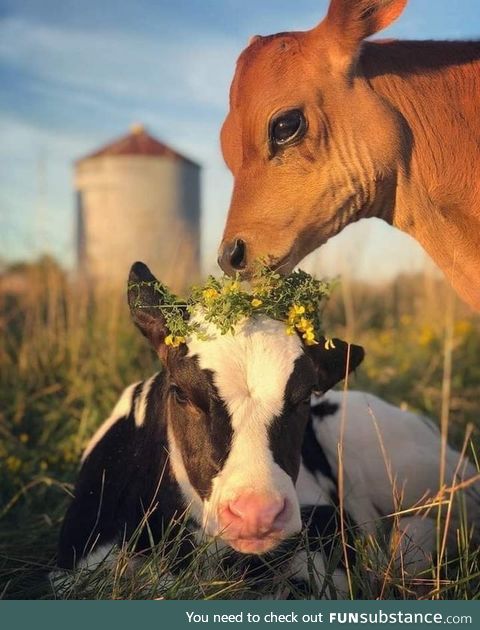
{"points": [[251, 369], [391, 457], [121, 410], [313, 490], [141, 403], [63, 581], [391, 462], [413, 543], [97, 556]]}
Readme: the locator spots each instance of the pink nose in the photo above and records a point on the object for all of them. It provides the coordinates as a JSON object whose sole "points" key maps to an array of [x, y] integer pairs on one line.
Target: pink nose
{"points": [[253, 515]]}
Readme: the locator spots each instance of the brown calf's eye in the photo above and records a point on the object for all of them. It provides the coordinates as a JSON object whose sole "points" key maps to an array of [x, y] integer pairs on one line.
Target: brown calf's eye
{"points": [[287, 127]]}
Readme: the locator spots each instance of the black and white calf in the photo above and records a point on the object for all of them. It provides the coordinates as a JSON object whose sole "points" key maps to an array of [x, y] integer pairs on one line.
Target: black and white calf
{"points": [[219, 430], [231, 431]]}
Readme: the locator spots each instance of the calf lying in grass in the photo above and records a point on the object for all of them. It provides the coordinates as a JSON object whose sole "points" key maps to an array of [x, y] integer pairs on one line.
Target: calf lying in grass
{"points": [[231, 433]]}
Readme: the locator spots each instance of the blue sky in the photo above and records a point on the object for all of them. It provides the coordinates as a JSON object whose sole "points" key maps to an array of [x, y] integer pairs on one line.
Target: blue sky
{"points": [[75, 74]]}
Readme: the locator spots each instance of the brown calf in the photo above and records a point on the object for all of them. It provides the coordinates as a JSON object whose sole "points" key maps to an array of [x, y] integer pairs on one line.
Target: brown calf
{"points": [[324, 130]]}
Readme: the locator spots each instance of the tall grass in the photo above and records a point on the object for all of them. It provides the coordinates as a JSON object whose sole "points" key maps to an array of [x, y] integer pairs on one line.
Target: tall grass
{"points": [[403, 326], [67, 353], [65, 357]]}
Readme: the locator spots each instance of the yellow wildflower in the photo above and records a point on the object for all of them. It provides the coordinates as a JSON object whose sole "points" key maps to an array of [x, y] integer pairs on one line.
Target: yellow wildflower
{"points": [[256, 302], [309, 335], [304, 324], [23, 437], [174, 340], [232, 287], [13, 463], [295, 310], [209, 294], [426, 336], [462, 328], [296, 321]]}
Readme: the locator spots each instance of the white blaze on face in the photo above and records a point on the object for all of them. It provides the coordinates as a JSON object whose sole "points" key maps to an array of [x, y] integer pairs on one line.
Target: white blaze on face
{"points": [[250, 369]]}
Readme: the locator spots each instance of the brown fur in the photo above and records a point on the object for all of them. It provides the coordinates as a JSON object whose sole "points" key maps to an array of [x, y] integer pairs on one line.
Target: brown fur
{"points": [[393, 132]]}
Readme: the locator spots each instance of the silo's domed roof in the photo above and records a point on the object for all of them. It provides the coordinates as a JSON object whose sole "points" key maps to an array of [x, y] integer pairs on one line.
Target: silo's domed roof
{"points": [[137, 142]]}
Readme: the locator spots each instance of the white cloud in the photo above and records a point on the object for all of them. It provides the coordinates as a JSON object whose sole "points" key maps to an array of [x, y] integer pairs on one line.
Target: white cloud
{"points": [[119, 64]]}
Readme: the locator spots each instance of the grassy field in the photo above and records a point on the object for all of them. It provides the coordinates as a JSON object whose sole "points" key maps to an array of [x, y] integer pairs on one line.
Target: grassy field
{"points": [[66, 355]]}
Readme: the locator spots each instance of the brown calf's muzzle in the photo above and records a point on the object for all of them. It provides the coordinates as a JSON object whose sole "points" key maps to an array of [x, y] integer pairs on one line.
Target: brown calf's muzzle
{"points": [[240, 254]]}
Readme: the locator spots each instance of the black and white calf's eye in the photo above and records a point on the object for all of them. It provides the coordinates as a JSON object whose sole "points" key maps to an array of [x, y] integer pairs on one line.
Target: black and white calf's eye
{"points": [[300, 402], [179, 395], [287, 128]]}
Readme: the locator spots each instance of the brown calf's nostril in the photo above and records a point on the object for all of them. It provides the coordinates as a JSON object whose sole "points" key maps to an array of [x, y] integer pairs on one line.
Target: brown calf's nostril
{"points": [[238, 255], [233, 256]]}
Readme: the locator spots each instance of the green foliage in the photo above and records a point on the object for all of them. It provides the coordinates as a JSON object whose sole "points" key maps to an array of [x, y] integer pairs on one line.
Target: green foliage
{"points": [[296, 299]]}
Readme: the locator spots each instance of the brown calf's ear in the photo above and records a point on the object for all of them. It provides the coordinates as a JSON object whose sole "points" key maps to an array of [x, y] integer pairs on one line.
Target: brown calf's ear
{"points": [[334, 359], [144, 298], [253, 38], [349, 22]]}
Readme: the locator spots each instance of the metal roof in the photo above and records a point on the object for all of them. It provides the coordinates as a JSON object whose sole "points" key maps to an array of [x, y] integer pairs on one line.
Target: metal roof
{"points": [[137, 142]]}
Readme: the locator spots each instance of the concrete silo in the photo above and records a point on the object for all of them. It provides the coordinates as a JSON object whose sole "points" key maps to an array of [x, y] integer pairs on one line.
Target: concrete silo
{"points": [[137, 199]]}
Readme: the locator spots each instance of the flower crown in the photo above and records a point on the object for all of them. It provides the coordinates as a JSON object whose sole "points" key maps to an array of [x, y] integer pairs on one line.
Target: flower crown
{"points": [[296, 299]]}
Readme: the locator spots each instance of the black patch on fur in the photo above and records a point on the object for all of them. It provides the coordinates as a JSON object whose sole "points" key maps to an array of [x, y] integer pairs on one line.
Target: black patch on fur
{"points": [[322, 523], [286, 431], [323, 409], [202, 428], [125, 480], [313, 455], [331, 365]]}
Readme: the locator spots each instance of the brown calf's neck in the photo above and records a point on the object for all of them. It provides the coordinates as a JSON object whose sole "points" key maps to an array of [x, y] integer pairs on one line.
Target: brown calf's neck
{"points": [[435, 86]]}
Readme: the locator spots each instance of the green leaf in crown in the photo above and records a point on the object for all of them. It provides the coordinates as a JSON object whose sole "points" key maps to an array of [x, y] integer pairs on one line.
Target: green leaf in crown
{"points": [[296, 299]]}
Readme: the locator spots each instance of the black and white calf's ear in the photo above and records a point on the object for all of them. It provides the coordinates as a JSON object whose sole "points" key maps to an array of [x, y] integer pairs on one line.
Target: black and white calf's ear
{"points": [[334, 359], [143, 301], [145, 295]]}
